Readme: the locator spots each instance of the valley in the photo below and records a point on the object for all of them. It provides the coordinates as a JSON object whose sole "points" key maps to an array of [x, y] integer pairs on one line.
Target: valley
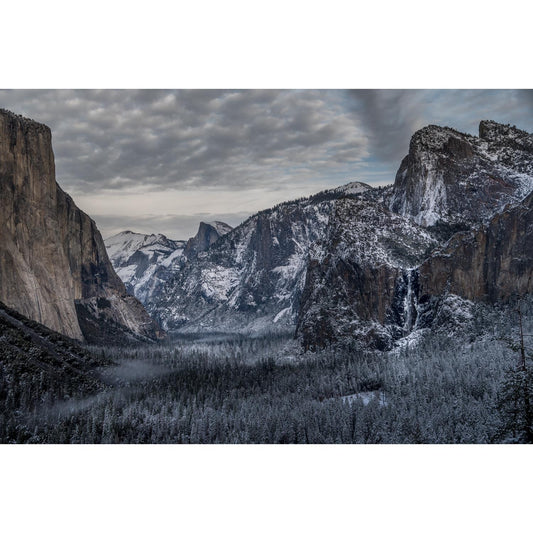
{"points": [[358, 314], [220, 390]]}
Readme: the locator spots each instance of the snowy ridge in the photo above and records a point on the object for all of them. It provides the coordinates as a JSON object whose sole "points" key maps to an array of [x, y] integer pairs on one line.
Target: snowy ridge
{"points": [[251, 279], [452, 177], [343, 265], [146, 262], [137, 258]]}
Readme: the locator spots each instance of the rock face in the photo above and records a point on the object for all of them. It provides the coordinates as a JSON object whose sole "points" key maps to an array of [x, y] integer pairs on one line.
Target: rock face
{"points": [[208, 234], [451, 177], [492, 264], [53, 263], [361, 278], [251, 279]]}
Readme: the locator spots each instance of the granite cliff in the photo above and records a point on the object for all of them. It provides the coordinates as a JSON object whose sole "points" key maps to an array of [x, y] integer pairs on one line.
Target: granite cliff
{"points": [[493, 264], [54, 267], [449, 177]]}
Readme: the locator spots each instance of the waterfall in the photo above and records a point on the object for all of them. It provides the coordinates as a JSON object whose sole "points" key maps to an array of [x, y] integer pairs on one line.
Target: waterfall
{"points": [[408, 303]]}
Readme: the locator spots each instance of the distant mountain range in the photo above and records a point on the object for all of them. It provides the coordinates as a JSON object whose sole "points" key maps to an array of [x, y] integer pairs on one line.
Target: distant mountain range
{"points": [[356, 264]]}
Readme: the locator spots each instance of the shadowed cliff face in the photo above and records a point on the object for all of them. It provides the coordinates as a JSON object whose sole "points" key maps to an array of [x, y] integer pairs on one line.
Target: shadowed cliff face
{"points": [[492, 264], [53, 264], [360, 280]]}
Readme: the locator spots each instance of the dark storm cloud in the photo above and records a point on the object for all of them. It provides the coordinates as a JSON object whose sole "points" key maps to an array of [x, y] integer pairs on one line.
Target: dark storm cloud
{"points": [[179, 139]]}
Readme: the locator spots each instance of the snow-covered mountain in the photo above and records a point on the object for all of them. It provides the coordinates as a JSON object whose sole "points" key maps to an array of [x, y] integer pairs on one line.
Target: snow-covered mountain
{"points": [[252, 278], [145, 262], [137, 258], [357, 264], [451, 177], [359, 277], [467, 200]]}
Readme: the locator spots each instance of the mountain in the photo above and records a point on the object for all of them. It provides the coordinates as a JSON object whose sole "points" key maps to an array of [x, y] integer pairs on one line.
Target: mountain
{"points": [[140, 260], [208, 233], [450, 177], [358, 283], [251, 278], [145, 262], [368, 266], [54, 266], [492, 264], [467, 200]]}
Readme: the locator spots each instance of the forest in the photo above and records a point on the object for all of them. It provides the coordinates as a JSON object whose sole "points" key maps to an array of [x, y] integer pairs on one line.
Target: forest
{"points": [[466, 386]]}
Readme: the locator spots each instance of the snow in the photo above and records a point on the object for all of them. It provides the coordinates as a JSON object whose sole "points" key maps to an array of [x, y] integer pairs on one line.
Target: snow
{"points": [[366, 398], [221, 227], [354, 187], [160, 252], [282, 313], [217, 283], [126, 273], [168, 261]]}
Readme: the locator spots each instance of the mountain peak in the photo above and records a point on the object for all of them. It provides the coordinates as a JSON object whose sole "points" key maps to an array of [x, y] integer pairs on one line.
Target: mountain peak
{"points": [[490, 130], [221, 227], [434, 137], [353, 187], [208, 233], [454, 177]]}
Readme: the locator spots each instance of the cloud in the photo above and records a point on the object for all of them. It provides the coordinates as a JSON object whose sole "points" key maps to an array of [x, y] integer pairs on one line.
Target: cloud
{"points": [[191, 139], [183, 152]]}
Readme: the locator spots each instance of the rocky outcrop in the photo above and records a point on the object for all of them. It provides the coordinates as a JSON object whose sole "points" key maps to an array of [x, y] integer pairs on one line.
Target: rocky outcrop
{"points": [[361, 280], [450, 177], [492, 264], [53, 263], [208, 233]]}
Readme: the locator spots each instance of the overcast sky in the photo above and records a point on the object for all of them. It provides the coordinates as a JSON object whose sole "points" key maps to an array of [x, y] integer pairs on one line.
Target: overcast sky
{"points": [[162, 161]]}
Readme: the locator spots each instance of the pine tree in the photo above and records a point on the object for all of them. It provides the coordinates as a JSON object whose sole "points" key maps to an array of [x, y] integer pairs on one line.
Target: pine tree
{"points": [[516, 398]]}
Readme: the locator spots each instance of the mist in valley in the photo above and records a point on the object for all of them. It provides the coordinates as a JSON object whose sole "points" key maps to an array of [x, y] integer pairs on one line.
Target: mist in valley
{"points": [[439, 388]]}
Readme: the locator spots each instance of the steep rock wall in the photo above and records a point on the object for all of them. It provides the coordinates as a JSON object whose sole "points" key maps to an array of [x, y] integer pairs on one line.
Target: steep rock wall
{"points": [[494, 263], [53, 262]]}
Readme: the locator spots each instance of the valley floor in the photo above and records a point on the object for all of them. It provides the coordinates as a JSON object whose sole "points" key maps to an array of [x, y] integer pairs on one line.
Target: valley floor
{"points": [[243, 390]]}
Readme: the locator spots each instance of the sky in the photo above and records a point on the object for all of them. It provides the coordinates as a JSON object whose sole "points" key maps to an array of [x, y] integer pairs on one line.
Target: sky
{"points": [[161, 161]]}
